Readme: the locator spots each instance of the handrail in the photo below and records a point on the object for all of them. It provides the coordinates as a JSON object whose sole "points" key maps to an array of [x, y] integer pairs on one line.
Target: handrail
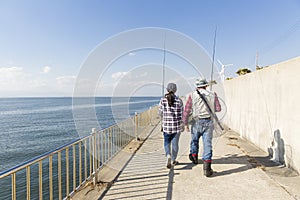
{"points": [[36, 159], [69, 166]]}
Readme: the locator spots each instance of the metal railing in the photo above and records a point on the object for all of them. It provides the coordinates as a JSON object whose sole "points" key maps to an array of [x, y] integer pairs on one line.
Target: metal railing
{"points": [[60, 173]]}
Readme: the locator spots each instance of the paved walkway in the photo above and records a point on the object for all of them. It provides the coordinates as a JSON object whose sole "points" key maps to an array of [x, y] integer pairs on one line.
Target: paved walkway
{"points": [[241, 172]]}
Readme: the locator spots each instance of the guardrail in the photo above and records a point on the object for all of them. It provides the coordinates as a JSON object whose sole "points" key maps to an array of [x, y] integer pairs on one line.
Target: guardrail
{"points": [[59, 173]]}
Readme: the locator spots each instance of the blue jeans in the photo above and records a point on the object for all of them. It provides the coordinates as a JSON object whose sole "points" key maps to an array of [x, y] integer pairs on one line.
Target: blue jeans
{"points": [[171, 139], [204, 128]]}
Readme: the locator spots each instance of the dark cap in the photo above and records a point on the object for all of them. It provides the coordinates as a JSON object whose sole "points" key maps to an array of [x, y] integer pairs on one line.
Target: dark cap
{"points": [[172, 87]]}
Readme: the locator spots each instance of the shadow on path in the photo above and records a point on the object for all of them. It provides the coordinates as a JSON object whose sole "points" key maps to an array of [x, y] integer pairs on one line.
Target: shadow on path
{"points": [[245, 163]]}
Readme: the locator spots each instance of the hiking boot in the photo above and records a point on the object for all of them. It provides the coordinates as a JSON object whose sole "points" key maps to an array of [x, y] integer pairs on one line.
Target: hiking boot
{"points": [[207, 170], [194, 159]]}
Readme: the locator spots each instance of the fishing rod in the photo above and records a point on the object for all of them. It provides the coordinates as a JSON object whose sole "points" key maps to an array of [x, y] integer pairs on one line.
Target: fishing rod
{"points": [[213, 60], [163, 68], [213, 114], [163, 76]]}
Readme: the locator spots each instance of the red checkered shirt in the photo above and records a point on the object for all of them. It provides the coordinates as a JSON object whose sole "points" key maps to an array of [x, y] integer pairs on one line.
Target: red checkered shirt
{"points": [[171, 115], [187, 110]]}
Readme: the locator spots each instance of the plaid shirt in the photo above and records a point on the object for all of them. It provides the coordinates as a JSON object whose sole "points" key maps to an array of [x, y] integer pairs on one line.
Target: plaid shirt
{"points": [[171, 116]]}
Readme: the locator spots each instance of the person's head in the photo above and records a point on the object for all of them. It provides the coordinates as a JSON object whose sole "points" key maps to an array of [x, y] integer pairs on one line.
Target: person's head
{"points": [[201, 83], [172, 88]]}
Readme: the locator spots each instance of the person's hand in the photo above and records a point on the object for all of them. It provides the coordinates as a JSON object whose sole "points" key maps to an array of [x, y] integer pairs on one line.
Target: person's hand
{"points": [[187, 129]]}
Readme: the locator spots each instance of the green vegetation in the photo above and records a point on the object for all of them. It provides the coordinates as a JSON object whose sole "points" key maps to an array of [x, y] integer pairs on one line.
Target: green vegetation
{"points": [[243, 71], [259, 68]]}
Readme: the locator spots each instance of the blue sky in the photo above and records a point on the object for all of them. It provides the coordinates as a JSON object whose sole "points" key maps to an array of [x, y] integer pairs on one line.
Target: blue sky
{"points": [[43, 44]]}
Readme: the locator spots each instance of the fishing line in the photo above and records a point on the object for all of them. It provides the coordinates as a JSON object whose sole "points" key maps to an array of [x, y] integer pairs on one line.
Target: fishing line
{"points": [[213, 59], [163, 67]]}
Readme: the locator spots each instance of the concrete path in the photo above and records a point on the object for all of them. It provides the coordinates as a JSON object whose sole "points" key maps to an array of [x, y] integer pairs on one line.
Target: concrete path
{"points": [[242, 171]]}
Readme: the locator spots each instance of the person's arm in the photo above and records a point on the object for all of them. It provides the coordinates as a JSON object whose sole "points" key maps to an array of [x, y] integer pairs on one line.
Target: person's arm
{"points": [[180, 114], [187, 111], [160, 108], [217, 105], [181, 109]]}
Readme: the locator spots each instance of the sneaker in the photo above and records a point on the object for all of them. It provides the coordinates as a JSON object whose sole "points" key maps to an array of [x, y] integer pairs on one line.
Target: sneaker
{"points": [[175, 162], [168, 161]]}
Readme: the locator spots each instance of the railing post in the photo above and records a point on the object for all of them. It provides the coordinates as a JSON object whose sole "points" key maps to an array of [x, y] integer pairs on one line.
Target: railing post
{"points": [[40, 180], [13, 187], [150, 116], [95, 179], [136, 126], [28, 182], [50, 178], [59, 175]]}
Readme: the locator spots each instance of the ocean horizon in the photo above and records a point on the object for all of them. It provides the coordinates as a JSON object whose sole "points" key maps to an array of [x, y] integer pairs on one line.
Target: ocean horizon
{"points": [[31, 126]]}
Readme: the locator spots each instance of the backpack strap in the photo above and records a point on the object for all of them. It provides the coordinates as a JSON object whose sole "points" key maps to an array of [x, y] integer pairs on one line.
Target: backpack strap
{"points": [[210, 110]]}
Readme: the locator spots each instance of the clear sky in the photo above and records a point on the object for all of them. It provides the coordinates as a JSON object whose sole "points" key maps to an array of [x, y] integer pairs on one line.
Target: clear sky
{"points": [[43, 44]]}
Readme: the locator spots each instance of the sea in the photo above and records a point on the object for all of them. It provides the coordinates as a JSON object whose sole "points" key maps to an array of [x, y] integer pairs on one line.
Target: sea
{"points": [[30, 127]]}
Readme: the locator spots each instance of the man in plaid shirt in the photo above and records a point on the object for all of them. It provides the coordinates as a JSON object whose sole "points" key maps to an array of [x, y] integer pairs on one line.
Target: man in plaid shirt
{"points": [[171, 108]]}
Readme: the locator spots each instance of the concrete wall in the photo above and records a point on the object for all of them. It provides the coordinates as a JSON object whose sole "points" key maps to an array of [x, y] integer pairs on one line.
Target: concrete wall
{"points": [[264, 107]]}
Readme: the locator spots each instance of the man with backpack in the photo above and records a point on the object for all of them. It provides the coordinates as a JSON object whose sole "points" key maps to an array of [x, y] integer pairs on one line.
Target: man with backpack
{"points": [[199, 105]]}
